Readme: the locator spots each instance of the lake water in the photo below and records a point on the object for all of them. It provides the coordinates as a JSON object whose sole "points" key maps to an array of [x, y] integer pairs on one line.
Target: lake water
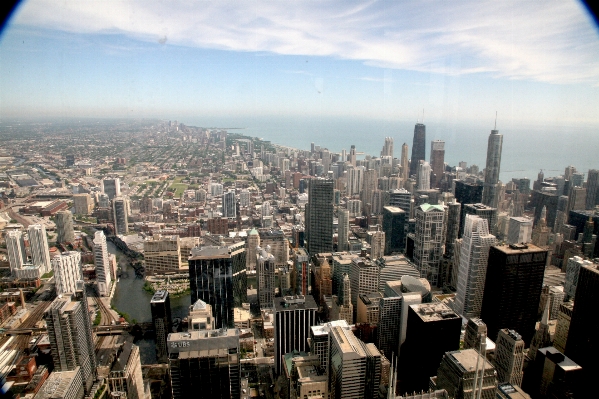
{"points": [[526, 149]]}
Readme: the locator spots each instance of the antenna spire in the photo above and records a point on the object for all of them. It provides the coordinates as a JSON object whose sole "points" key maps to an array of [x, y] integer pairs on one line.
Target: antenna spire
{"points": [[495, 120], [422, 115]]}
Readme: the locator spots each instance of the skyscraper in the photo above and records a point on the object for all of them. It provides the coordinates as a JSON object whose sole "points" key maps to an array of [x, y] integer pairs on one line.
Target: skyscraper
{"points": [[64, 227], [205, 364], [217, 276], [582, 345], [467, 374], [512, 289], [405, 168], [355, 369], [84, 204], [253, 243], [429, 238], [364, 275], [125, 375], [432, 330], [490, 194], [418, 148], [70, 334], [519, 230], [120, 208], [387, 148], [472, 270], [424, 176], [592, 188], [394, 221], [229, 205], [485, 212], [160, 306], [101, 261], [67, 271], [319, 216], [342, 229], [437, 161], [38, 244], [294, 315], [509, 357], [111, 187], [265, 273], [15, 246]]}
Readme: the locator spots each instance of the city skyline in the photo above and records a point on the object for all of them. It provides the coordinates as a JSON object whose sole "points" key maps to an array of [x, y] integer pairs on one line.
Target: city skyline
{"points": [[374, 61]]}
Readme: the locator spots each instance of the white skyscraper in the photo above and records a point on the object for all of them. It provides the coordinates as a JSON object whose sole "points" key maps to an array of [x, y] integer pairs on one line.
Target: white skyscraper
{"points": [[472, 269], [424, 176], [102, 265], [15, 247], [355, 180], [38, 244], [429, 238], [342, 229], [519, 230], [67, 270]]}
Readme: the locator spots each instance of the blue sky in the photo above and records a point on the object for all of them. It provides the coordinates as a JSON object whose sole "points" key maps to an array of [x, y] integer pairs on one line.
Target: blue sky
{"points": [[533, 62]]}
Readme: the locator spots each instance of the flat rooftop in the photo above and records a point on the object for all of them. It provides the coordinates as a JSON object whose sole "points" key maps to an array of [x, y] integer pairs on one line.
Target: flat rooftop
{"points": [[434, 311], [467, 359]]}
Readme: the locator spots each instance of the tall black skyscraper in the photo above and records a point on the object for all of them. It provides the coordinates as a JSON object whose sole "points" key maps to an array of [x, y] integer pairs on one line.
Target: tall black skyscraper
{"points": [[513, 289], [394, 226], [319, 216], [492, 168], [160, 305], [418, 148], [217, 276], [582, 345], [432, 330]]}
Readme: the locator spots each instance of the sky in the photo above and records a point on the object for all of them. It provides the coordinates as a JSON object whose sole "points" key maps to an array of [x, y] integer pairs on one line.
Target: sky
{"points": [[531, 62]]}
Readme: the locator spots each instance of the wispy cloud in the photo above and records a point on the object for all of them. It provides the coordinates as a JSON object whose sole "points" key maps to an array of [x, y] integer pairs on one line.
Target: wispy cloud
{"points": [[552, 42]]}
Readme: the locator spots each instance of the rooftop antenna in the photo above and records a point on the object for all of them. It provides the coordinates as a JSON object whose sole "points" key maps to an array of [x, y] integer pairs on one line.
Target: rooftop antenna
{"points": [[495, 120], [422, 115]]}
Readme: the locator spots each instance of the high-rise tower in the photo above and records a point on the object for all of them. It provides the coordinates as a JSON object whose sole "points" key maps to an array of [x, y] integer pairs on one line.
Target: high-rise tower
{"points": [[512, 289], [217, 276], [418, 148], [38, 243], [102, 265], [342, 229], [70, 334], [265, 273], [319, 216], [64, 227], [492, 169], [592, 189], [67, 271], [437, 161], [472, 270], [387, 148], [405, 168], [15, 246], [160, 306], [229, 204], [429, 238], [120, 207], [424, 176]]}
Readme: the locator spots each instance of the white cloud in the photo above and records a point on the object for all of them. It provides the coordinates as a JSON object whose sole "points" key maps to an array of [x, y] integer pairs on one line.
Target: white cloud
{"points": [[552, 42]]}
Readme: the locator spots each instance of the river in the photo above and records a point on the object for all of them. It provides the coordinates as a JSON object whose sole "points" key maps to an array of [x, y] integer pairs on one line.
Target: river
{"points": [[131, 298]]}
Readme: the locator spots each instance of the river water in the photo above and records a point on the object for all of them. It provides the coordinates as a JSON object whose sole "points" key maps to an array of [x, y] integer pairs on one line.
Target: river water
{"points": [[131, 298]]}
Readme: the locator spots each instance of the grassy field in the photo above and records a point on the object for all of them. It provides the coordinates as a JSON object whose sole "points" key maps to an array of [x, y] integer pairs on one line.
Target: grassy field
{"points": [[179, 189]]}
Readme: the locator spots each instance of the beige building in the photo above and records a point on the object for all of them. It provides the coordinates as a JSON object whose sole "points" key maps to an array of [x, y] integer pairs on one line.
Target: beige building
{"points": [[163, 254], [84, 204], [368, 308], [126, 376]]}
